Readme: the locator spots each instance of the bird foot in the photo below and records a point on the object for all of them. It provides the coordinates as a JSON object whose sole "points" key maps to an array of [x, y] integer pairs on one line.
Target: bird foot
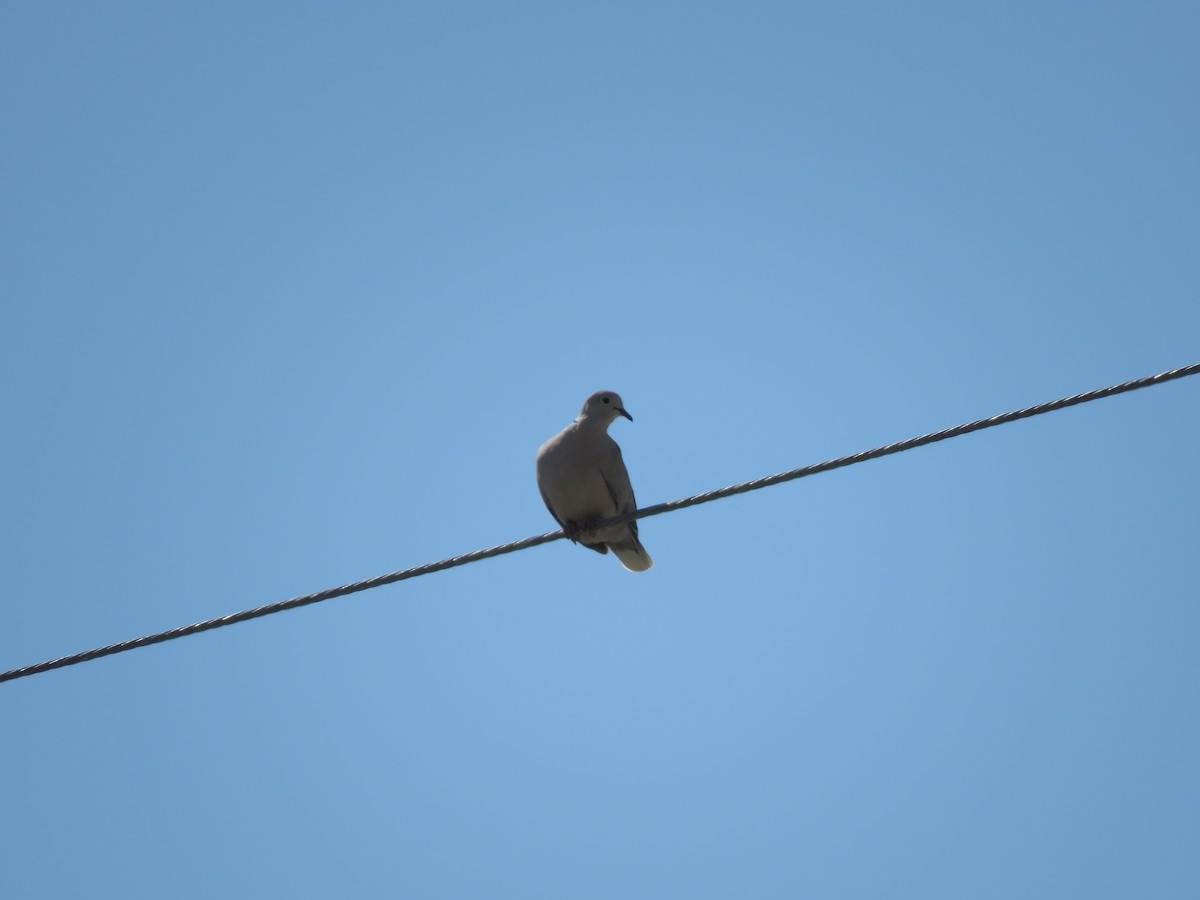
{"points": [[576, 532], [589, 528]]}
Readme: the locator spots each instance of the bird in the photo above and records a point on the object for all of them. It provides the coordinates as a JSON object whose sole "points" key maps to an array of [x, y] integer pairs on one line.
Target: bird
{"points": [[583, 479]]}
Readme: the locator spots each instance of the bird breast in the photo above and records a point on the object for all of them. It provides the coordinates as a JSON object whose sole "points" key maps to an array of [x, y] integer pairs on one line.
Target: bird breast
{"points": [[570, 472]]}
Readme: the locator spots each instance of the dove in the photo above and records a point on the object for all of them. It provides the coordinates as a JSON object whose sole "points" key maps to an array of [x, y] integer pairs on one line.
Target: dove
{"points": [[583, 479]]}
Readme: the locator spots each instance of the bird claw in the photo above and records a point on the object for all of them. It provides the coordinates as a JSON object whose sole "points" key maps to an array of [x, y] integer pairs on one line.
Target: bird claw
{"points": [[576, 533]]}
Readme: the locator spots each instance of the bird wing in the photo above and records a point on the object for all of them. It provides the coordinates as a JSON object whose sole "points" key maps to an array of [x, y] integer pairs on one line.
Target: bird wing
{"points": [[616, 479]]}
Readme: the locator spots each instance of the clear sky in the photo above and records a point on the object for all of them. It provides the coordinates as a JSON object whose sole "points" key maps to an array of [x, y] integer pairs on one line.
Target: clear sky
{"points": [[292, 293]]}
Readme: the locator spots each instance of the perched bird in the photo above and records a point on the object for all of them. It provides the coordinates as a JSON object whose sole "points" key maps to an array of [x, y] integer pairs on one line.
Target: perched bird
{"points": [[583, 479]]}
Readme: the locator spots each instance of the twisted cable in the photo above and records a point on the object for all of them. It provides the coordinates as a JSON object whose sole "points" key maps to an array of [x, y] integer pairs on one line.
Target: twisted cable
{"points": [[657, 509]]}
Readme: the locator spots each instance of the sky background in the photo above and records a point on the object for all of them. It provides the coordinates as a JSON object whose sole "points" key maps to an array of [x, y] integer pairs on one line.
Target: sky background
{"points": [[292, 294]]}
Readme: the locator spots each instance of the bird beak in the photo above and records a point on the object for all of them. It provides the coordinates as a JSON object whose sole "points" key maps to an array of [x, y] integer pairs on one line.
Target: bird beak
{"points": [[625, 414]]}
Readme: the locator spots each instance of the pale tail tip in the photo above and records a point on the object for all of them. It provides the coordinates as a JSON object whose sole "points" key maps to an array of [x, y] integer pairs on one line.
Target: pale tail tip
{"points": [[632, 558]]}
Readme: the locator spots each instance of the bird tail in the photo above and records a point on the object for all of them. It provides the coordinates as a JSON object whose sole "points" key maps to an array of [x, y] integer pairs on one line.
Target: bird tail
{"points": [[632, 554]]}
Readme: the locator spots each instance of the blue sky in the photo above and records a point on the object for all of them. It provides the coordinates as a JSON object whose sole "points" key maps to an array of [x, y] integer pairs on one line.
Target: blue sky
{"points": [[293, 292]]}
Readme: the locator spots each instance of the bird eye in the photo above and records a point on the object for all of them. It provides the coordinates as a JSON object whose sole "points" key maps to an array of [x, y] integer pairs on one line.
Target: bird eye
{"points": [[603, 399]]}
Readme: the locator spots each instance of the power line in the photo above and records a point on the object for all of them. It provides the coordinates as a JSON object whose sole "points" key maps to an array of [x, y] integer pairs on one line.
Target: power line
{"points": [[671, 506]]}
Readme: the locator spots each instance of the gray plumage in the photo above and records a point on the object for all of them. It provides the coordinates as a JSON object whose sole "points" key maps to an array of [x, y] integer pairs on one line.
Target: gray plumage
{"points": [[583, 479]]}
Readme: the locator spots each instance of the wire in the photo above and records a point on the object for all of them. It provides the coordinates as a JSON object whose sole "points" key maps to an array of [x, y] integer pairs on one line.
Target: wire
{"points": [[671, 506]]}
